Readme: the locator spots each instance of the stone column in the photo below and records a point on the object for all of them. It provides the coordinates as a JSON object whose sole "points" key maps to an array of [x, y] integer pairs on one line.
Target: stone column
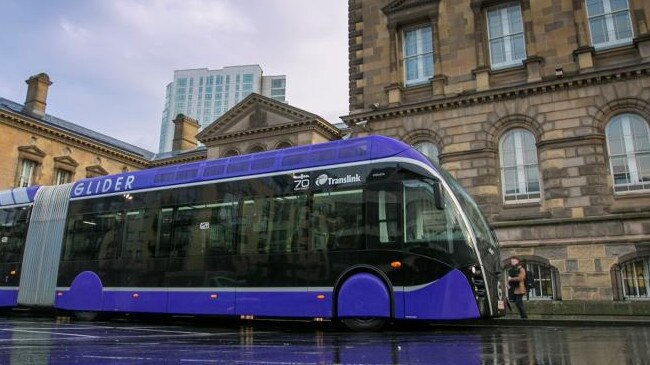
{"points": [[584, 53], [482, 70], [439, 80], [534, 68], [395, 89], [642, 42]]}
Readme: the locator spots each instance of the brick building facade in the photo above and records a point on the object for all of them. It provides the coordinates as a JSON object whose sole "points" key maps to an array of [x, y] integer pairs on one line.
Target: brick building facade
{"points": [[541, 110]]}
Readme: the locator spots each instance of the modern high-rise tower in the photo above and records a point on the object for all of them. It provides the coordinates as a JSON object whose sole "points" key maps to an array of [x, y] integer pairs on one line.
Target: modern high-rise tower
{"points": [[205, 94]]}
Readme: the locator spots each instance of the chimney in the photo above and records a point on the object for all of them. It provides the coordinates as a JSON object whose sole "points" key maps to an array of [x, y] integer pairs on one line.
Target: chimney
{"points": [[37, 94], [185, 131]]}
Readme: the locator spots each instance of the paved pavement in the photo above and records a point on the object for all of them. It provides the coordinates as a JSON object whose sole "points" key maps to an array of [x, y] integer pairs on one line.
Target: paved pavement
{"points": [[567, 320]]}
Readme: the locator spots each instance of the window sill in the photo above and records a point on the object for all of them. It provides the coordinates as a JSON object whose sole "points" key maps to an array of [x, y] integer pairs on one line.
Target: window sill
{"points": [[419, 84], [606, 47], [631, 194], [521, 211], [519, 65], [522, 203], [630, 202]]}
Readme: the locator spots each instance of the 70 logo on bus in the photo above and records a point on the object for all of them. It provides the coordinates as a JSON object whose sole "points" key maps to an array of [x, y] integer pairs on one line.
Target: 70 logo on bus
{"points": [[301, 182]]}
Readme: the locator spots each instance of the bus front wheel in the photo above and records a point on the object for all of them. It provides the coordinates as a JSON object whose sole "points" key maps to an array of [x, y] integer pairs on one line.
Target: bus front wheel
{"points": [[364, 324]]}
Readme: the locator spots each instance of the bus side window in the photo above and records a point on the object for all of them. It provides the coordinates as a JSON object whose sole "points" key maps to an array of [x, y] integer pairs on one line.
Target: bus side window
{"points": [[387, 216], [93, 236], [13, 229], [165, 224], [138, 229], [288, 229], [253, 226], [221, 232], [338, 220]]}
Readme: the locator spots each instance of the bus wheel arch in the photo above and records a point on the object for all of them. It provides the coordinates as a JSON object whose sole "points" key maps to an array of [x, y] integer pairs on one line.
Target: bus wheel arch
{"points": [[363, 298]]}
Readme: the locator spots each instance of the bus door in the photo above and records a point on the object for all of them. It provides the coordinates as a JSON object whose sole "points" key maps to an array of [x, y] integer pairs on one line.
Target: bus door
{"points": [[384, 231]]}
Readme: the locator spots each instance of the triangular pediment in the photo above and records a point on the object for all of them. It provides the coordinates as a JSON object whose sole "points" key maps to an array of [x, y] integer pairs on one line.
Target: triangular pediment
{"points": [[254, 113], [95, 170], [32, 150], [66, 160]]}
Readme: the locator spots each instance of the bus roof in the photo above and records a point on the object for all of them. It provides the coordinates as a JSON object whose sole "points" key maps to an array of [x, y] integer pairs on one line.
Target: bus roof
{"points": [[288, 159], [18, 196]]}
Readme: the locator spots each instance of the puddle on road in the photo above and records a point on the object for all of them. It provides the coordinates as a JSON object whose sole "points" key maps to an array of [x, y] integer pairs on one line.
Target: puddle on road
{"points": [[43, 342]]}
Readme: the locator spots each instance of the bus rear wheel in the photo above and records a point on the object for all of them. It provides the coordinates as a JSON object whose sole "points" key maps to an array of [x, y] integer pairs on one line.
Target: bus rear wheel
{"points": [[364, 324]]}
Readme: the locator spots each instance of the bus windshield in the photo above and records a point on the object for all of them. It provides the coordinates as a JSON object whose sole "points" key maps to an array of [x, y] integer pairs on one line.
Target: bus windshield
{"points": [[476, 219], [428, 227]]}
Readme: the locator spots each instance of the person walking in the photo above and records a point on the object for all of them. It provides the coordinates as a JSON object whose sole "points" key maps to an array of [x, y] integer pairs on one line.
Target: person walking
{"points": [[517, 284]]}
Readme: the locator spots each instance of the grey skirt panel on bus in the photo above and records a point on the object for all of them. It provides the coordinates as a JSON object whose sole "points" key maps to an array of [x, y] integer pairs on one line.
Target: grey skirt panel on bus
{"points": [[43, 246]]}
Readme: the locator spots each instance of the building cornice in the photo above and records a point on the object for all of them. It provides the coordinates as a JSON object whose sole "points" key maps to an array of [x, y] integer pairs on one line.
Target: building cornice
{"points": [[574, 241], [507, 93], [35, 126], [558, 221]]}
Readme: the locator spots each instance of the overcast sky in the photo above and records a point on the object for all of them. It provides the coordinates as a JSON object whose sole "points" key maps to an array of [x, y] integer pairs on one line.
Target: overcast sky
{"points": [[110, 60]]}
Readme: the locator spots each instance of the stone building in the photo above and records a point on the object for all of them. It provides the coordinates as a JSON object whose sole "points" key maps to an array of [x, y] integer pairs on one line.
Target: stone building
{"points": [[41, 149], [541, 110]]}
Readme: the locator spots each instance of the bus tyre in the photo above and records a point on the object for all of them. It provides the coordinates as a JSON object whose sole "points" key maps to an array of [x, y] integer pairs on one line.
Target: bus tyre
{"points": [[85, 316], [364, 324]]}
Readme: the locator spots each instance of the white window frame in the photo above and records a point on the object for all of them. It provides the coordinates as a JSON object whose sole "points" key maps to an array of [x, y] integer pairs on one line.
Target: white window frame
{"points": [[507, 36], [520, 169], [635, 278], [536, 268], [60, 173], [609, 23], [635, 184], [27, 171], [419, 55]]}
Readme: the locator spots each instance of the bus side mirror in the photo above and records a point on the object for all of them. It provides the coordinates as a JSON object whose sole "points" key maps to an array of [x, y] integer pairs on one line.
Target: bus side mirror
{"points": [[437, 195]]}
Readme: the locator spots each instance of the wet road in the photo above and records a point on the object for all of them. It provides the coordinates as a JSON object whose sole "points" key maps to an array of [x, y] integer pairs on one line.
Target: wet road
{"points": [[46, 341]]}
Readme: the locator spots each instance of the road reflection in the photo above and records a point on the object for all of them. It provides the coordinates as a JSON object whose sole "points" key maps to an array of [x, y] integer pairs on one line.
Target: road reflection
{"points": [[108, 343]]}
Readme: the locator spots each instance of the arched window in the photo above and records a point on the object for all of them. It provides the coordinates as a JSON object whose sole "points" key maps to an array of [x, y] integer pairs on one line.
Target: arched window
{"points": [[545, 279], [635, 277], [519, 169], [283, 144], [628, 145], [428, 149], [230, 153], [256, 149]]}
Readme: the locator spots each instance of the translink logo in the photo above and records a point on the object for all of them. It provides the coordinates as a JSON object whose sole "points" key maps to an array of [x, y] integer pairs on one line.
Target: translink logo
{"points": [[323, 180]]}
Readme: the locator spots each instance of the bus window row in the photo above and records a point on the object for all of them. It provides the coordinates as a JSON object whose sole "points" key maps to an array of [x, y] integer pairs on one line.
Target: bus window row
{"points": [[380, 216]]}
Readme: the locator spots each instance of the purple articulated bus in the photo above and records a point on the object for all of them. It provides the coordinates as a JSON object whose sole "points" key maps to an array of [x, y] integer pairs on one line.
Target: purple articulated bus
{"points": [[362, 230]]}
